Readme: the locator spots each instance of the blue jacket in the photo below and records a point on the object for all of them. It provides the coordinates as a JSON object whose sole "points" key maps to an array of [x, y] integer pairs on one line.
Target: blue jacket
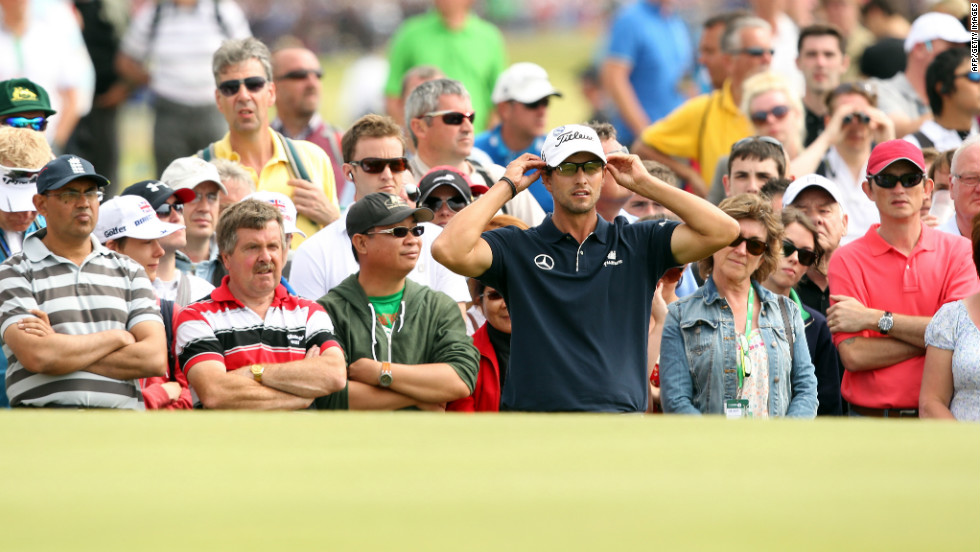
{"points": [[698, 356]]}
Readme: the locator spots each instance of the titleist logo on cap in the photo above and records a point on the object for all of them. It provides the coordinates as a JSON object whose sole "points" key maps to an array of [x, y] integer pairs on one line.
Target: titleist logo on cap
{"points": [[570, 135]]}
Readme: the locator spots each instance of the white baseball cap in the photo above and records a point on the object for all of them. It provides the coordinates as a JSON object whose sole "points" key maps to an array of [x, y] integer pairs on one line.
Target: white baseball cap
{"points": [[285, 206], [565, 141], [797, 186], [133, 217], [524, 82], [17, 189], [188, 172], [936, 26]]}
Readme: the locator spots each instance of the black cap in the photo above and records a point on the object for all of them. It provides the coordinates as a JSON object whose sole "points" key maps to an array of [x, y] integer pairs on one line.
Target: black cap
{"points": [[445, 176], [381, 209], [157, 192], [23, 95], [65, 169]]}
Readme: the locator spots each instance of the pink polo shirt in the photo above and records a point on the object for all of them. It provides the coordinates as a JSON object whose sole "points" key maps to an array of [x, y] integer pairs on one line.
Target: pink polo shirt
{"points": [[939, 270]]}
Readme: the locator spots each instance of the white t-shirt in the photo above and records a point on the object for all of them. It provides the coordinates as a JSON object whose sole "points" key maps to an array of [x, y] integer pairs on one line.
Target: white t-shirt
{"points": [[861, 211], [200, 288]]}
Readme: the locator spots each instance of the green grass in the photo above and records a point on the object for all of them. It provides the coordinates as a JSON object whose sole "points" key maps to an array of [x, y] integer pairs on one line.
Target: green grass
{"points": [[355, 481]]}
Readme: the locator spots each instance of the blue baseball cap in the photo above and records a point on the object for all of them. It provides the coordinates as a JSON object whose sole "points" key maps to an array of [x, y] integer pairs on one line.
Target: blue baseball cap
{"points": [[65, 169]]}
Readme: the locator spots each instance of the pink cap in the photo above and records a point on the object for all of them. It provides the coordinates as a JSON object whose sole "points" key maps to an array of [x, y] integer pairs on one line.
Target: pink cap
{"points": [[888, 152]]}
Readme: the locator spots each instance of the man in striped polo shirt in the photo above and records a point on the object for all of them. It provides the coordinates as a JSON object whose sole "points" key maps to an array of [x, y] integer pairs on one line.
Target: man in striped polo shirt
{"points": [[80, 323], [252, 345]]}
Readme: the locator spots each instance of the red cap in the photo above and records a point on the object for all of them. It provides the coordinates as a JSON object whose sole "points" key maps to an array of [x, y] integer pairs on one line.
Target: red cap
{"points": [[888, 152]]}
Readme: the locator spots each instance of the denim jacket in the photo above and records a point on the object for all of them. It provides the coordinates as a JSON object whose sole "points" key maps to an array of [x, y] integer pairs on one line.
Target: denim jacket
{"points": [[698, 355]]}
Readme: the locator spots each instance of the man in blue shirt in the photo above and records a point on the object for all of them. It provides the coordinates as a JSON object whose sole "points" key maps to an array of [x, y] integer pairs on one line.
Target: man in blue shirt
{"points": [[579, 288], [521, 97]]}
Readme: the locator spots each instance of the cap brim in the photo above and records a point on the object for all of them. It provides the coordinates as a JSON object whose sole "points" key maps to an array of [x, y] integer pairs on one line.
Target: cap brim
{"points": [[421, 214], [891, 162], [291, 228], [153, 229], [100, 180], [185, 195], [18, 201]]}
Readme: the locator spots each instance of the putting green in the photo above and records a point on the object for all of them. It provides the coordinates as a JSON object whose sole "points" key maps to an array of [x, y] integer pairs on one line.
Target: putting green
{"points": [[285, 481]]}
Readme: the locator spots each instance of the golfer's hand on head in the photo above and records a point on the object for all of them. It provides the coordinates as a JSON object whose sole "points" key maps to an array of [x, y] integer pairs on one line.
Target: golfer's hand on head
{"points": [[627, 169], [523, 170]]}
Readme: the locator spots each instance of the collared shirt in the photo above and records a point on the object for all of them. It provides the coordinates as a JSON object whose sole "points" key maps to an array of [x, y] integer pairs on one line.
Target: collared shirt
{"points": [[492, 143], [938, 270], [861, 211], [812, 296]]}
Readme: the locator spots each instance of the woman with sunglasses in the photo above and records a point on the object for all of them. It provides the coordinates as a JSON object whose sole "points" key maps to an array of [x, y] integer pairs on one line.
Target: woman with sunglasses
{"points": [[800, 251], [734, 347]]}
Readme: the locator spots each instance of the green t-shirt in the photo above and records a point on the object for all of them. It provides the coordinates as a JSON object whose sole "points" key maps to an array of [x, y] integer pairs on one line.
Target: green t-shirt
{"points": [[386, 307], [473, 55]]}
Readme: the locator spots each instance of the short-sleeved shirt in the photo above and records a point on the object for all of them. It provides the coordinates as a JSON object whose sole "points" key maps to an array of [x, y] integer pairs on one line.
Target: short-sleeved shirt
{"points": [[107, 291], [473, 55], [492, 143], [938, 270], [702, 129], [221, 328], [579, 312], [953, 330]]}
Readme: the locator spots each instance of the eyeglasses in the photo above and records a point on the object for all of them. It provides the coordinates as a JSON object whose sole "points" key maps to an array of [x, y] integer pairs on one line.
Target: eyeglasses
{"points": [[455, 203], [299, 74], [968, 180], [971, 76], [543, 102], [401, 231], [857, 117], [36, 123], [492, 295], [757, 52], [888, 181], [167, 208], [375, 165], [752, 245], [767, 139], [230, 87], [211, 197], [452, 118], [569, 168], [806, 256], [70, 197], [779, 112]]}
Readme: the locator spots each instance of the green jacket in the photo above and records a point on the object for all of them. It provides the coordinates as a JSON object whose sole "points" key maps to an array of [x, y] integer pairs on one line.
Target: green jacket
{"points": [[429, 329]]}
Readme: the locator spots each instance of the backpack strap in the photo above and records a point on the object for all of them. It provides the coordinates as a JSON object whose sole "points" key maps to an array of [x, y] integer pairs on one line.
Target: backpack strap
{"points": [[207, 153], [292, 157], [168, 312], [225, 31], [924, 141], [784, 309]]}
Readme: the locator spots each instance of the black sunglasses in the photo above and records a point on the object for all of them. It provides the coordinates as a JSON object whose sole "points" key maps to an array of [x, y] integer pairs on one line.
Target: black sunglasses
{"points": [[455, 203], [493, 295], [779, 112], [375, 165], [167, 208], [888, 181], [301, 74], [757, 52], [857, 116], [452, 118], [543, 102], [401, 231], [752, 245], [230, 87], [806, 256]]}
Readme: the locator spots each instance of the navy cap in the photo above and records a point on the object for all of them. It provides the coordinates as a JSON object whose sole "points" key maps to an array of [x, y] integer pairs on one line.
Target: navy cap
{"points": [[65, 169]]}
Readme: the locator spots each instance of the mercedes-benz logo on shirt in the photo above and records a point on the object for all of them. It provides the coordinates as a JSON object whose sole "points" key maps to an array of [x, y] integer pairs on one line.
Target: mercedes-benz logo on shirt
{"points": [[544, 262]]}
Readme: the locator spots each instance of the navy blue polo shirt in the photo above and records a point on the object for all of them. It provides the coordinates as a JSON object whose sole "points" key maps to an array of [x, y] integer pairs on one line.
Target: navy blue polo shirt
{"points": [[579, 313]]}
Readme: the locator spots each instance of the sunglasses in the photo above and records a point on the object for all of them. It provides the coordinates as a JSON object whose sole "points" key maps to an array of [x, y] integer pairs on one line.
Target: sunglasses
{"points": [[167, 208], [856, 117], [569, 168], [752, 245], [401, 231], [376, 165], [757, 52], [493, 295], [36, 123], [230, 87], [16, 173], [971, 76], [455, 203], [806, 256], [453, 118], [301, 74], [543, 102], [779, 112], [888, 181]]}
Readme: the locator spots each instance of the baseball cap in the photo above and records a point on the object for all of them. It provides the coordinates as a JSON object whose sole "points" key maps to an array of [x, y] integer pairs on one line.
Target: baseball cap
{"points": [[523, 82], [131, 216], [188, 172], [935, 26], [17, 189], [22, 95], [886, 153], [565, 141], [381, 209], [811, 180], [157, 192], [446, 176], [285, 206], [65, 169]]}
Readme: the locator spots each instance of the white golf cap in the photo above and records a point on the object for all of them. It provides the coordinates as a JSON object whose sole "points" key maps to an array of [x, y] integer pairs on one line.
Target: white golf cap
{"points": [[17, 189], [133, 217], [936, 26], [565, 141], [523, 82], [797, 186], [188, 172], [285, 206]]}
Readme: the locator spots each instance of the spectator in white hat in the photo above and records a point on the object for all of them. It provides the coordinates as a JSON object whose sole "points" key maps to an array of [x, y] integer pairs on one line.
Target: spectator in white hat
{"points": [[200, 255], [22, 154]]}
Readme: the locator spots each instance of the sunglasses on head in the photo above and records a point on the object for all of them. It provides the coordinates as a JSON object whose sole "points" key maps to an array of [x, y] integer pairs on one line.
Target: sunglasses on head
{"points": [[888, 181], [453, 118], [375, 165], [455, 203], [401, 231], [752, 245], [33, 123], [767, 139], [301, 74], [857, 117], [971, 76], [569, 168], [543, 102], [230, 87], [779, 112], [806, 256], [863, 88], [757, 52], [167, 208], [492, 295]]}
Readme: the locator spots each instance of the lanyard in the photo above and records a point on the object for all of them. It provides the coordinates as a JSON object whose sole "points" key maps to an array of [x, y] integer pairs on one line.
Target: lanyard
{"points": [[743, 342]]}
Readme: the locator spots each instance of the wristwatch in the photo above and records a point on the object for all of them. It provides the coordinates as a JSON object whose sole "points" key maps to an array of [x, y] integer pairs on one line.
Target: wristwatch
{"points": [[885, 323], [384, 380], [257, 370]]}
